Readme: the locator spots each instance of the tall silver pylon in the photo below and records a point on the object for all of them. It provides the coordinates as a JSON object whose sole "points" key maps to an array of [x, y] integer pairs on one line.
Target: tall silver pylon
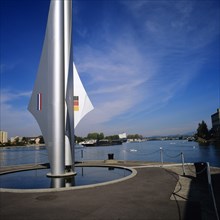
{"points": [[52, 99]]}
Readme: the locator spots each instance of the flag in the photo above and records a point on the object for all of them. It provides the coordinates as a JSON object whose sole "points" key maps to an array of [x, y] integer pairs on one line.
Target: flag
{"points": [[76, 103], [39, 101]]}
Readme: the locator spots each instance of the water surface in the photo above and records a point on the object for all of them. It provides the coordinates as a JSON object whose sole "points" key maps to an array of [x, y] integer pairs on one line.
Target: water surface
{"points": [[37, 179], [143, 151]]}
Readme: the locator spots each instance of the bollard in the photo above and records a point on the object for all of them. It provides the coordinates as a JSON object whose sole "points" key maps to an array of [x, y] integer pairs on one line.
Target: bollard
{"points": [[111, 156], [182, 157], [211, 189], [209, 174], [201, 172], [161, 155]]}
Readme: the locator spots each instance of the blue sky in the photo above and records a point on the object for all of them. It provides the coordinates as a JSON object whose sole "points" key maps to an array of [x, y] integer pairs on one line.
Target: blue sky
{"points": [[149, 67]]}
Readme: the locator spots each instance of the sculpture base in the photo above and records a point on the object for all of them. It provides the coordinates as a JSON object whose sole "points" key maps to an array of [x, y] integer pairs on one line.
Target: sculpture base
{"points": [[67, 174]]}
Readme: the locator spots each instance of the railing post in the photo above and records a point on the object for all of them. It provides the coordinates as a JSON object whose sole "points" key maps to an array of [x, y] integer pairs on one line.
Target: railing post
{"points": [[211, 188], [82, 155], [182, 158], [161, 155]]}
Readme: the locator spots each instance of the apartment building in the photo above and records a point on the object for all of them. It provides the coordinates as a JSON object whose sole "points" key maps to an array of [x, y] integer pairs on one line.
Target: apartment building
{"points": [[3, 137]]}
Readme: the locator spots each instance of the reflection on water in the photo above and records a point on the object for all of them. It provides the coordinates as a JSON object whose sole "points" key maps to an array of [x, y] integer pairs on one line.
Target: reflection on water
{"points": [[61, 182], [37, 179], [23, 155], [143, 151], [150, 151]]}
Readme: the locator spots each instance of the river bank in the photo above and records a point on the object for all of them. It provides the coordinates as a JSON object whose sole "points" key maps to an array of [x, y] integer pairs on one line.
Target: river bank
{"points": [[25, 145], [208, 142]]}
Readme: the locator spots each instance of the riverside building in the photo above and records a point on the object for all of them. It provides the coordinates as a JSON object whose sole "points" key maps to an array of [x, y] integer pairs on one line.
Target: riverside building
{"points": [[3, 137], [216, 122]]}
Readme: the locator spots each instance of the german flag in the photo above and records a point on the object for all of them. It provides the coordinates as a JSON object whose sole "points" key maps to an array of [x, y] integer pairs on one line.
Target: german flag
{"points": [[76, 103]]}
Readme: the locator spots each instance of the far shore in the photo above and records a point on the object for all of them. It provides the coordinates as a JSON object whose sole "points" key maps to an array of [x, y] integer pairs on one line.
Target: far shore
{"points": [[27, 145], [201, 141]]}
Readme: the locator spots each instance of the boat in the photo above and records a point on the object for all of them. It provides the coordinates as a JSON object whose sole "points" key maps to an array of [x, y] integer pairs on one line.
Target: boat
{"points": [[106, 142], [103, 142], [89, 143], [123, 137]]}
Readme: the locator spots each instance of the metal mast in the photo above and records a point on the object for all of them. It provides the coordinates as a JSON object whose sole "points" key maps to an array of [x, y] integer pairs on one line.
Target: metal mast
{"points": [[57, 90], [52, 98]]}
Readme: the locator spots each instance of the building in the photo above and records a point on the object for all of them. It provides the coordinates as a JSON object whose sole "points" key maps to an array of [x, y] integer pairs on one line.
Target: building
{"points": [[15, 139], [216, 122], [3, 137]]}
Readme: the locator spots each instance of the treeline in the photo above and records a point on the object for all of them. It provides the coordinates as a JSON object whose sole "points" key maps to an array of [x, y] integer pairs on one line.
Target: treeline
{"points": [[23, 141], [101, 136], [134, 136], [96, 136], [204, 134]]}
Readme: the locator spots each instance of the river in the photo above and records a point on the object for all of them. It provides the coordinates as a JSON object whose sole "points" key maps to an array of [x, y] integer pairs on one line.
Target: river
{"points": [[141, 151]]}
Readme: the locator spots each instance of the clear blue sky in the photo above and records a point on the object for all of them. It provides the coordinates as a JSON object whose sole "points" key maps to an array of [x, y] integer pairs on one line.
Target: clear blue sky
{"points": [[149, 67]]}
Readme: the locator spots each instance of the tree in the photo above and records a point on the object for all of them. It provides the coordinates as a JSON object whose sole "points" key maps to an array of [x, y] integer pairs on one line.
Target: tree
{"points": [[101, 136], [95, 136], [92, 136], [135, 136], [16, 141], [202, 130], [41, 140], [78, 139], [112, 137]]}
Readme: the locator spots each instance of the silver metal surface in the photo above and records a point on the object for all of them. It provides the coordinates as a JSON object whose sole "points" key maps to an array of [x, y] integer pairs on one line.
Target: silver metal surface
{"points": [[57, 95], [50, 83], [69, 115]]}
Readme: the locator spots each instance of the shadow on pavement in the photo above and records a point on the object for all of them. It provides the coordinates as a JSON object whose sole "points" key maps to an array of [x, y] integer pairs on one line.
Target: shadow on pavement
{"points": [[198, 196]]}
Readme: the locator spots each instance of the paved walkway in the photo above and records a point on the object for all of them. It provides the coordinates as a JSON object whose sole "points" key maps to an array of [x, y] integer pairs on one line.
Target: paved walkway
{"points": [[145, 196]]}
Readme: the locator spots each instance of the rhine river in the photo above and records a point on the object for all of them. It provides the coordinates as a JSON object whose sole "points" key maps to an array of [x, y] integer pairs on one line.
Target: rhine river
{"points": [[149, 151]]}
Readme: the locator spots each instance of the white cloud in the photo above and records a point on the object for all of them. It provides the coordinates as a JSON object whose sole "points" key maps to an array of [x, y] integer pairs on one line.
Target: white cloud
{"points": [[9, 96], [133, 67], [6, 67], [15, 118], [147, 62], [188, 25], [117, 75]]}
